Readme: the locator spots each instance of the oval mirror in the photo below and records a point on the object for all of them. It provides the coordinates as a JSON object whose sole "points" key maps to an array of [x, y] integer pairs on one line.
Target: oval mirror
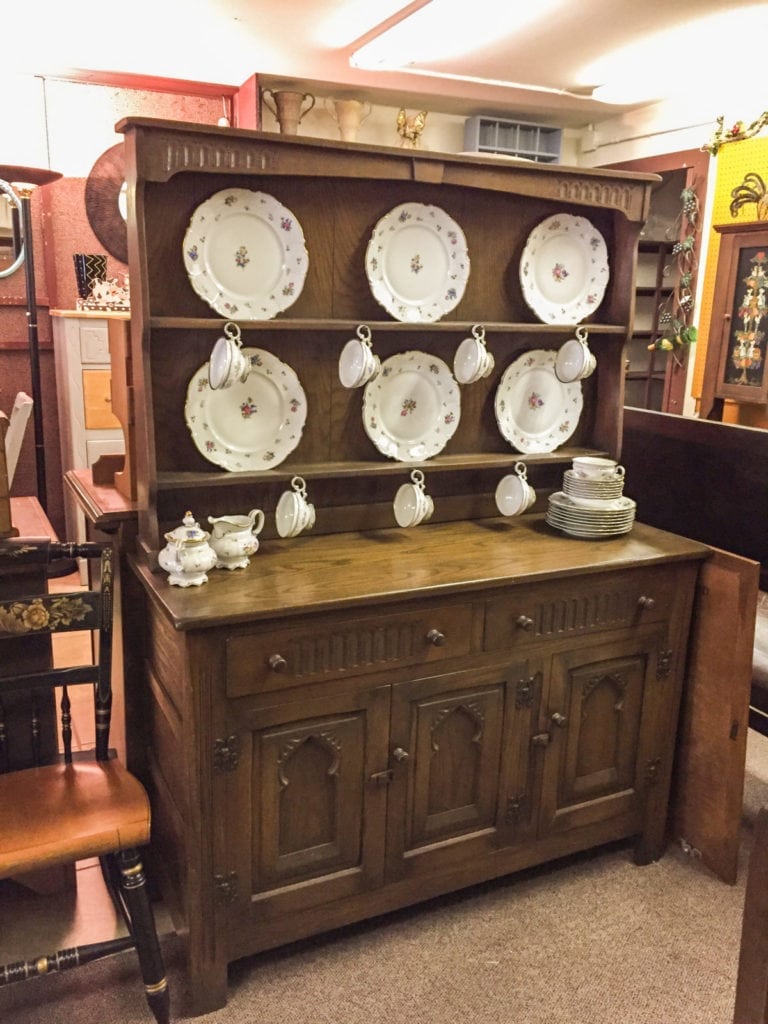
{"points": [[11, 241]]}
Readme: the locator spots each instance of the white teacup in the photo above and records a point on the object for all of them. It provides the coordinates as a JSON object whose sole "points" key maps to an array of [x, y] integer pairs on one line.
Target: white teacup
{"points": [[575, 360], [357, 363], [472, 361], [412, 505], [593, 467], [514, 495], [294, 512], [228, 364]]}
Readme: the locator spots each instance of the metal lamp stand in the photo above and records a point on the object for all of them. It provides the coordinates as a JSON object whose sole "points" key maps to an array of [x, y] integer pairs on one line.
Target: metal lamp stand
{"points": [[23, 181]]}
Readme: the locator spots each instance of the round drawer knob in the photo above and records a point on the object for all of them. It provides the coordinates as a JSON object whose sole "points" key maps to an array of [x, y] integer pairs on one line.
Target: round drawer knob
{"points": [[278, 663], [646, 602], [400, 755], [524, 622], [436, 638]]}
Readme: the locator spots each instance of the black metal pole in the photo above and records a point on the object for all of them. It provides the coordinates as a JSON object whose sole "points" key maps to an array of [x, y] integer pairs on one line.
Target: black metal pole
{"points": [[24, 193]]}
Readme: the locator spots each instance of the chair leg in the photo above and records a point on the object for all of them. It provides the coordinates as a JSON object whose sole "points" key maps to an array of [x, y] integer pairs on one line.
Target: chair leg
{"points": [[134, 887], [113, 880]]}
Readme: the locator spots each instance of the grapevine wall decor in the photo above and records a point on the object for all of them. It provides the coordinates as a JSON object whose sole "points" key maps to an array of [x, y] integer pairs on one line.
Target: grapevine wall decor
{"points": [[736, 133], [676, 313]]}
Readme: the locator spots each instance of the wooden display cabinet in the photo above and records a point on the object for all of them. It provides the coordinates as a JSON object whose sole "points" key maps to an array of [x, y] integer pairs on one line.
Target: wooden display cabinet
{"points": [[369, 716], [736, 350]]}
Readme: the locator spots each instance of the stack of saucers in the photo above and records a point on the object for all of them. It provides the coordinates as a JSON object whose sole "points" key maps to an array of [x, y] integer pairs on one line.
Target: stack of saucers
{"points": [[592, 503]]}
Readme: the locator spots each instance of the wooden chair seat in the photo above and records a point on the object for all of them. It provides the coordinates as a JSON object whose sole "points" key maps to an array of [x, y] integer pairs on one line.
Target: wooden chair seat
{"points": [[60, 813]]}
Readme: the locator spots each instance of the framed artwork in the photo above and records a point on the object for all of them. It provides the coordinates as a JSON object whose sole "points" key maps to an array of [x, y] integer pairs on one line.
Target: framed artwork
{"points": [[736, 356]]}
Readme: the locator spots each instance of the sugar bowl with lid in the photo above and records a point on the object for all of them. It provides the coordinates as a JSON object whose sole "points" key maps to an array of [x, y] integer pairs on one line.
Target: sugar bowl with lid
{"points": [[187, 555]]}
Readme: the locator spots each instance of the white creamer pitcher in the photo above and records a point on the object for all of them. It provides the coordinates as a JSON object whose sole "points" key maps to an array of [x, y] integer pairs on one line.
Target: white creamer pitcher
{"points": [[233, 538]]}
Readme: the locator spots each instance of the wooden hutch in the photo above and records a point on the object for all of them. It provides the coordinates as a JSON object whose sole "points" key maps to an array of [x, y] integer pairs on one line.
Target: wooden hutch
{"points": [[369, 716]]}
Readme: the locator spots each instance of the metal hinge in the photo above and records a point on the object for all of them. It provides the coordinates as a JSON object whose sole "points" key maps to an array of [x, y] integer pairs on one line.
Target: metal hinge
{"points": [[515, 805], [651, 771], [226, 887], [664, 664], [688, 849], [226, 754]]}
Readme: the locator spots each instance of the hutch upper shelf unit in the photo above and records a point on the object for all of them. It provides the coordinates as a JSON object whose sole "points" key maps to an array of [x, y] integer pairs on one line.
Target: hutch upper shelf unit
{"points": [[339, 192]]}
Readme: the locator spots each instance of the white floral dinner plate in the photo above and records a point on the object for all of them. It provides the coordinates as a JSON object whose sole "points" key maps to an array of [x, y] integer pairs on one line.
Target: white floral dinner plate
{"points": [[417, 263], [535, 411], [256, 423], [244, 253], [564, 269], [412, 409]]}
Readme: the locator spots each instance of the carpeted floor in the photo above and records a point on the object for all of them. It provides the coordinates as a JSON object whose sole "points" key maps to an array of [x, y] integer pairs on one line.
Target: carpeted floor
{"points": [[594, 940]]}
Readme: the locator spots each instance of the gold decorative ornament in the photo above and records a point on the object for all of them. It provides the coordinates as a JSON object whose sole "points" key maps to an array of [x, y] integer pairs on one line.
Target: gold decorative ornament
{"points": [[410, 128]]}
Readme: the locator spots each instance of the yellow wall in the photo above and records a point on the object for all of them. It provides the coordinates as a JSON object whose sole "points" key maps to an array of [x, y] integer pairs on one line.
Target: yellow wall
{"points": [[734, 161]]}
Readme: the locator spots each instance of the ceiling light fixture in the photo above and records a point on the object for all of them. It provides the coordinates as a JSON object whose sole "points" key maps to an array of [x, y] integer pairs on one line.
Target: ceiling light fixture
{"points": [[441, 29]]}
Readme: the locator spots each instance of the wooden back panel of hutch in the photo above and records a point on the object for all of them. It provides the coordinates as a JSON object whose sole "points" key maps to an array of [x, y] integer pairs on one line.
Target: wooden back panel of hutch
{"points": [[338, 192]]}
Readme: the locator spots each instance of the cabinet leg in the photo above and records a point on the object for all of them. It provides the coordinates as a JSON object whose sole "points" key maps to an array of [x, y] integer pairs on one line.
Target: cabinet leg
{"points": [[206, 987], [652, 841]]}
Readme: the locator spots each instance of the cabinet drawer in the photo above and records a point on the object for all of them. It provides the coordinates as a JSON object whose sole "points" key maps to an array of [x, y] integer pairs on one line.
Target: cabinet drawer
{"points": [[97, 400], [313, 650], [582, 605], [94, 343], [95, 447]]}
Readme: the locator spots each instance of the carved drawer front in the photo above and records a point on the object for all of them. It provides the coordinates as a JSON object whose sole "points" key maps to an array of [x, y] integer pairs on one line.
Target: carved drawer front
{"points": [[578, 606], [317, 649]]}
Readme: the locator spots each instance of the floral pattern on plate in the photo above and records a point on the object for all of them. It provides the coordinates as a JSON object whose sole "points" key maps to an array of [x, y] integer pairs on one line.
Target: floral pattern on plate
{"points": [[564, 269], [412, 409], [535, 411], [417, 263], [244, 253], [256, 423]]}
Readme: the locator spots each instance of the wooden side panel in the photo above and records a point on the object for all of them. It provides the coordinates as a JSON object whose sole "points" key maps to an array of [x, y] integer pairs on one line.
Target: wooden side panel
{"points": [[713, 733], [751, 1005]]}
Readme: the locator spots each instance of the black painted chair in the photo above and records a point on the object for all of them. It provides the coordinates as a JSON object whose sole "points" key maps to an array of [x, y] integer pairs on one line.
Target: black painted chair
{"points": [[77, 804]]}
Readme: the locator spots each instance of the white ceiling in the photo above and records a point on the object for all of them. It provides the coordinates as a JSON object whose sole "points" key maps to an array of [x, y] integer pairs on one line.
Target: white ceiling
{"points": [[311, 41]]}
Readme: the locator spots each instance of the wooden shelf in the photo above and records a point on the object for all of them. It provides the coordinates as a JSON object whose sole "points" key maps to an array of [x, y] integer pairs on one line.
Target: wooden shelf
{"points": [[443, 326]]}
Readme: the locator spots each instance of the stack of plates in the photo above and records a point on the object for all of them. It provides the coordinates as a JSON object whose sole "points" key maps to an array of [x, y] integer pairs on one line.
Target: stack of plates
{"points": [[592, 492], [599, 518]]}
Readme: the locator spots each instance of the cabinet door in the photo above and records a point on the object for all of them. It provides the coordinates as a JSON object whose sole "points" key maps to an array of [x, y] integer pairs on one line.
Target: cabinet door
{"points": [[305, 811], [598, 762], [460, 757]]}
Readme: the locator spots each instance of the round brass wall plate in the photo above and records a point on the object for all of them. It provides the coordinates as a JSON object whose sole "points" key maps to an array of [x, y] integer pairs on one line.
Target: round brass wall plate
{"points": [[102, 202]]}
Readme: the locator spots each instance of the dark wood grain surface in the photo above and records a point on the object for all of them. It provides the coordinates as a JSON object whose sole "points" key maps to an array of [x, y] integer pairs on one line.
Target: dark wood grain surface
{"points": [[343, 570]]}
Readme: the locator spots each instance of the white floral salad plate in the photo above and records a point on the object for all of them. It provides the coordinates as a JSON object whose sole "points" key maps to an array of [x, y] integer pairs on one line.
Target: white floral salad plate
{"points": [[564, 269], [256, 423], [417, 263], [412, 409], [535, 411], [244, 253]]}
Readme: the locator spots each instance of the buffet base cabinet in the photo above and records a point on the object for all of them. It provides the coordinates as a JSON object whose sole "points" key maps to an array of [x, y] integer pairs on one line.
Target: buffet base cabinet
{"points": [[318, 765]]}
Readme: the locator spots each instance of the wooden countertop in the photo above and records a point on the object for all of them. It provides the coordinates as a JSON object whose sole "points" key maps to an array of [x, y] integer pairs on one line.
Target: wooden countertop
{"points": [[104, 506], [29, 519], [336, 571], [93, 314]]}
